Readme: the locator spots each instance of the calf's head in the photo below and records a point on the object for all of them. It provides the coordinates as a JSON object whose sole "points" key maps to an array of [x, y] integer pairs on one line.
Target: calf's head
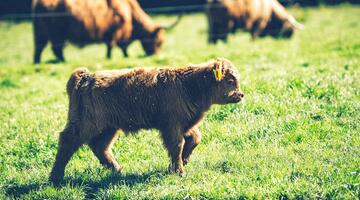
{"points": [[152, 44], [281, 28], [227, 82], [153, 41]]}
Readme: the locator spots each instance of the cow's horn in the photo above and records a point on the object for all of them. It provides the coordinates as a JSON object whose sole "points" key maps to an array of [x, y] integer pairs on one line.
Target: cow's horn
{"points": [[295, 24], [171, 26]]}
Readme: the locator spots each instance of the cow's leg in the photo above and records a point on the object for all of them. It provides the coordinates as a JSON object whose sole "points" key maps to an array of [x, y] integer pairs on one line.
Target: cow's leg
{"points": [[174, 143], [212, 39], [40, 43], [254, 31], [101, 146], [124, 50], [192, 139], [258, 28], [58, 51], [251, 26], [233, 27], [57, 46], [254, 34], [69, 143], [225, 38], [109, 47], [211, 32]]}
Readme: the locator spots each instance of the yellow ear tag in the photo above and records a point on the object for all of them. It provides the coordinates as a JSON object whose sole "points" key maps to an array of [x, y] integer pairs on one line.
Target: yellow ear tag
{"points": [[218, 75]]}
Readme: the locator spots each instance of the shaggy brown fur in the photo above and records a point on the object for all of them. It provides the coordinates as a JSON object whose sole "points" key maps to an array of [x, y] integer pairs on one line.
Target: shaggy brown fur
{"points": [[114, 22], [260, 17], [171, 100]]}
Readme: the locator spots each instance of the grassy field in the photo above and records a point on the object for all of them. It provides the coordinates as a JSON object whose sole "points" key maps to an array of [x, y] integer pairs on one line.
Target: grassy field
{"points": [[297, 135]]}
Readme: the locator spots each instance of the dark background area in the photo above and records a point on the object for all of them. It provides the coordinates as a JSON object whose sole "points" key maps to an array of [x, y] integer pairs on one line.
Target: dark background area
{"points": [[11, 7]]}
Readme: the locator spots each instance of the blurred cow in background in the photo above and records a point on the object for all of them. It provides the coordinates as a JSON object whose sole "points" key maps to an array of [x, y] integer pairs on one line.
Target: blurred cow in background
{"points": [[260, 17], [114, 22]]}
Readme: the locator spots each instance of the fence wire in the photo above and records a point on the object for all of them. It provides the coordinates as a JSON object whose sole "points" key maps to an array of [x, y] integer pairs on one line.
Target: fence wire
{"points": [[155, 10]]}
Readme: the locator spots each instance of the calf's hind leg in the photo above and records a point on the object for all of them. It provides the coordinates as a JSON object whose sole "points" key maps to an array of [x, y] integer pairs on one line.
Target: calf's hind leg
{"points": [[69, 143], [101, 146], [192, 139], [174, 143]]}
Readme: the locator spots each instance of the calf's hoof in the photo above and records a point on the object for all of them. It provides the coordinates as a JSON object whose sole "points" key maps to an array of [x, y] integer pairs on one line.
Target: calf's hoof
{"points": [[56, 176], [174, 168], [182, 174], [55, 179], [117, 171]]}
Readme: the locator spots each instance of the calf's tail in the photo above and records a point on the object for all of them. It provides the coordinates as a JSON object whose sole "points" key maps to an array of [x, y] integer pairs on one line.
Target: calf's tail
{"points": [[78, 80]]}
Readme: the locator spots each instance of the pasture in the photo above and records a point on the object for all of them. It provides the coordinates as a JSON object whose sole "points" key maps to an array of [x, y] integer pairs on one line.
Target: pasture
{"points": [[297, 135]]}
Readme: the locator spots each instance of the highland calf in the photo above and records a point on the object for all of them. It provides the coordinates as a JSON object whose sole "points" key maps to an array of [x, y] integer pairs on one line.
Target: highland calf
{"points": [[113, 22], [171, 100], [259, 17]]}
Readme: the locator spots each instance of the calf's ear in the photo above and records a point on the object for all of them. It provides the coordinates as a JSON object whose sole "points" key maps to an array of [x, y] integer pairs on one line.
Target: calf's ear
{"points": [[218, 70]]}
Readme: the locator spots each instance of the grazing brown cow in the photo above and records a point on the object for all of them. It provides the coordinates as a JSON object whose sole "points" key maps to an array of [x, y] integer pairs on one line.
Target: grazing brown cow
{"points": [[171, 100], [114, 22], [260, 17]]}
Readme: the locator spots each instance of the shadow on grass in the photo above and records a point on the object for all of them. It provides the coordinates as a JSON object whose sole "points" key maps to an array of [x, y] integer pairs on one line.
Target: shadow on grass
{"points": [[18, 190], [54, 61], [92, 187]]}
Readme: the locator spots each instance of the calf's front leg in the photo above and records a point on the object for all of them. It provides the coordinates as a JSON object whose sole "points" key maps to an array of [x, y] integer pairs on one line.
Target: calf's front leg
{"points": [[192, 139]]}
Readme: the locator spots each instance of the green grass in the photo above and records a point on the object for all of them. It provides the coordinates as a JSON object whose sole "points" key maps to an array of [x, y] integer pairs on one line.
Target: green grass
{"points": [[297, 135]]}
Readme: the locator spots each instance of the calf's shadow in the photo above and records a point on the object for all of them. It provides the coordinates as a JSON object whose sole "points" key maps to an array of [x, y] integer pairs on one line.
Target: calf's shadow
{"points": [[92, 187]]}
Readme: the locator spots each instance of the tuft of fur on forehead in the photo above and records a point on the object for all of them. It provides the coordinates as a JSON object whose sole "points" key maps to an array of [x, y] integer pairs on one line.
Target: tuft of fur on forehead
{"points": [[227, 67]]}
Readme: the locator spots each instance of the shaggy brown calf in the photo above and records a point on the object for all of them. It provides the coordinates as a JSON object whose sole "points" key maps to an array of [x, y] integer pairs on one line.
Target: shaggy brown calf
{"points": [[260, 17], [114, 22], [172, 101]]}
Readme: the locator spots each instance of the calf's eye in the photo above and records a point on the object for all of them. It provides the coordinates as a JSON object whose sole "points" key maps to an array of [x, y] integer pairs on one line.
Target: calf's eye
{"points": [[231, 81]]}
